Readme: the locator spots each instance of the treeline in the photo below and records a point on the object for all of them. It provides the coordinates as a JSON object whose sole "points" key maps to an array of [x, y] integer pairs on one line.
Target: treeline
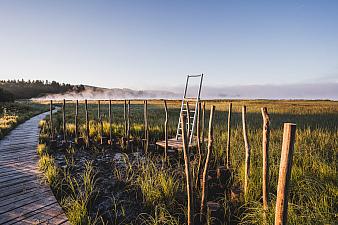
{"points": [[21, 89]]}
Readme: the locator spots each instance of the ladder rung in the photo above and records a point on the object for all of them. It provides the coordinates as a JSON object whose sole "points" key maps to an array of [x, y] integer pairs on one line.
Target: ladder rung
{"points": [[191, 99], [192, 111]]}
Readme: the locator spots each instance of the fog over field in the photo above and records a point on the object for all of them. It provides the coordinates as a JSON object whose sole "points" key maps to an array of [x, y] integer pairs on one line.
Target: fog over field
{"points": [[286, 91]]}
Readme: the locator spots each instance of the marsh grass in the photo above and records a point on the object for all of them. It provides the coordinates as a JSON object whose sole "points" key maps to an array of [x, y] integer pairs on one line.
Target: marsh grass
{"points": [[313, 193]]}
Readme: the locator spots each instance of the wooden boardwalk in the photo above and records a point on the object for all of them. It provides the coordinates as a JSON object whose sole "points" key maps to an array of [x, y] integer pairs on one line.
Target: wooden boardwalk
{"points": [[24, 198]]}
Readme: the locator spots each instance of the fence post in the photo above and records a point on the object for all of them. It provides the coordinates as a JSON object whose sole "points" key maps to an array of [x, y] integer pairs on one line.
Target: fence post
{"points": [[51, 120], [229, 135], [198, 143], [289, 136], [186, 154], [64, 121], [203, 124], [110, 125], [128, 127], [76, 121], [265, 147], [87, 123], [125, 118], [146, 130], [188, 122], [247, 151], [165, 130], [205, 171]]}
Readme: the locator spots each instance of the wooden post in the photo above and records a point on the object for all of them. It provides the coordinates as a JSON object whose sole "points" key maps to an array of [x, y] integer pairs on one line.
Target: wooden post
{"points": [[64, 121], [87, 123], [146, 130], [265, 147], [186, 154], [166, 130], [98, 110], [229, 135], [128, 124], [110, 125], [125, 118], [188, 122], [203, 124], [76, 117], [289, 136], [247, 151], [205, 171], [51, 120], [198, 143]]}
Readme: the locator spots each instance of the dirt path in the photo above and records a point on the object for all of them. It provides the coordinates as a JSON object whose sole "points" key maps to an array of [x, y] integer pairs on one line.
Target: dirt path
{"points": [[24, 198]]}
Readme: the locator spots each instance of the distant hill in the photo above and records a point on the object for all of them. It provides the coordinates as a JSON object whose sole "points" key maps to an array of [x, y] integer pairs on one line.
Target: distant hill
{"points": [[90, 92], [21, 89]]}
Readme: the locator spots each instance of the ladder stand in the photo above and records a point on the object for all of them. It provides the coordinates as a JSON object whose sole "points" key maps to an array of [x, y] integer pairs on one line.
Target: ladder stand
{"points": [[189, 114]]}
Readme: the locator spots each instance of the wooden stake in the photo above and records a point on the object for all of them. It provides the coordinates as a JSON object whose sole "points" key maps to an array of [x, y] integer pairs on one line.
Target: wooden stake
{"points": [[205, 171], [146, 130], [128, 126], [265, 147], [64, 120], [186, 154], [203, 124], [51, 120], [110, 124], [289, 136], [229, 135], [198, 143], [188, 122], [76, 118], [247, 151], [98, 110], [165, 130], [125, 118], [87, 123]]}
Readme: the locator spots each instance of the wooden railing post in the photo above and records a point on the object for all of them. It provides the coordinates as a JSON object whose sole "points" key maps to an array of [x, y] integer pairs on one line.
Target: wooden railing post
{"points": [[64, 121], [51, 120], [289, 137], [205, 171], [87, 123], [247, 151], [265, 147], [228, 164], [146, 130], [110, 125], [186, 153], [76, 119], [203, 124], [166, 130]]}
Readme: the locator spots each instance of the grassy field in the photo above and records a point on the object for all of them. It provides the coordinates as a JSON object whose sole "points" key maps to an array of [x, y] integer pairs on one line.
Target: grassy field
{"points": [[148, 190], [14, 113]]}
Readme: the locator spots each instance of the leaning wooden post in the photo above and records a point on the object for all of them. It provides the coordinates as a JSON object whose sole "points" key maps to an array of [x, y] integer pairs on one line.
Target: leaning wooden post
{"points": [[205, 171], [76, 119], [247, 151], [289, 136], [198, 143], [203, 124], [51, 120], [64, 120], [229, 135], [146, 130], [165, 130], [265, 147], [188, 122], [87, 123], [186, 154], [110, 125]]}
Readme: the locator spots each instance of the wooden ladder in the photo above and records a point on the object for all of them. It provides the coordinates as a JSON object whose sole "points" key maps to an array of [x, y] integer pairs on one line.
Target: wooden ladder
{"points": [[190, 115]]}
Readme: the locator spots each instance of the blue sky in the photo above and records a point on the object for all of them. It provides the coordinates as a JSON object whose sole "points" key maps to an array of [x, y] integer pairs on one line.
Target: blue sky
{"points": [[154, 44]]}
